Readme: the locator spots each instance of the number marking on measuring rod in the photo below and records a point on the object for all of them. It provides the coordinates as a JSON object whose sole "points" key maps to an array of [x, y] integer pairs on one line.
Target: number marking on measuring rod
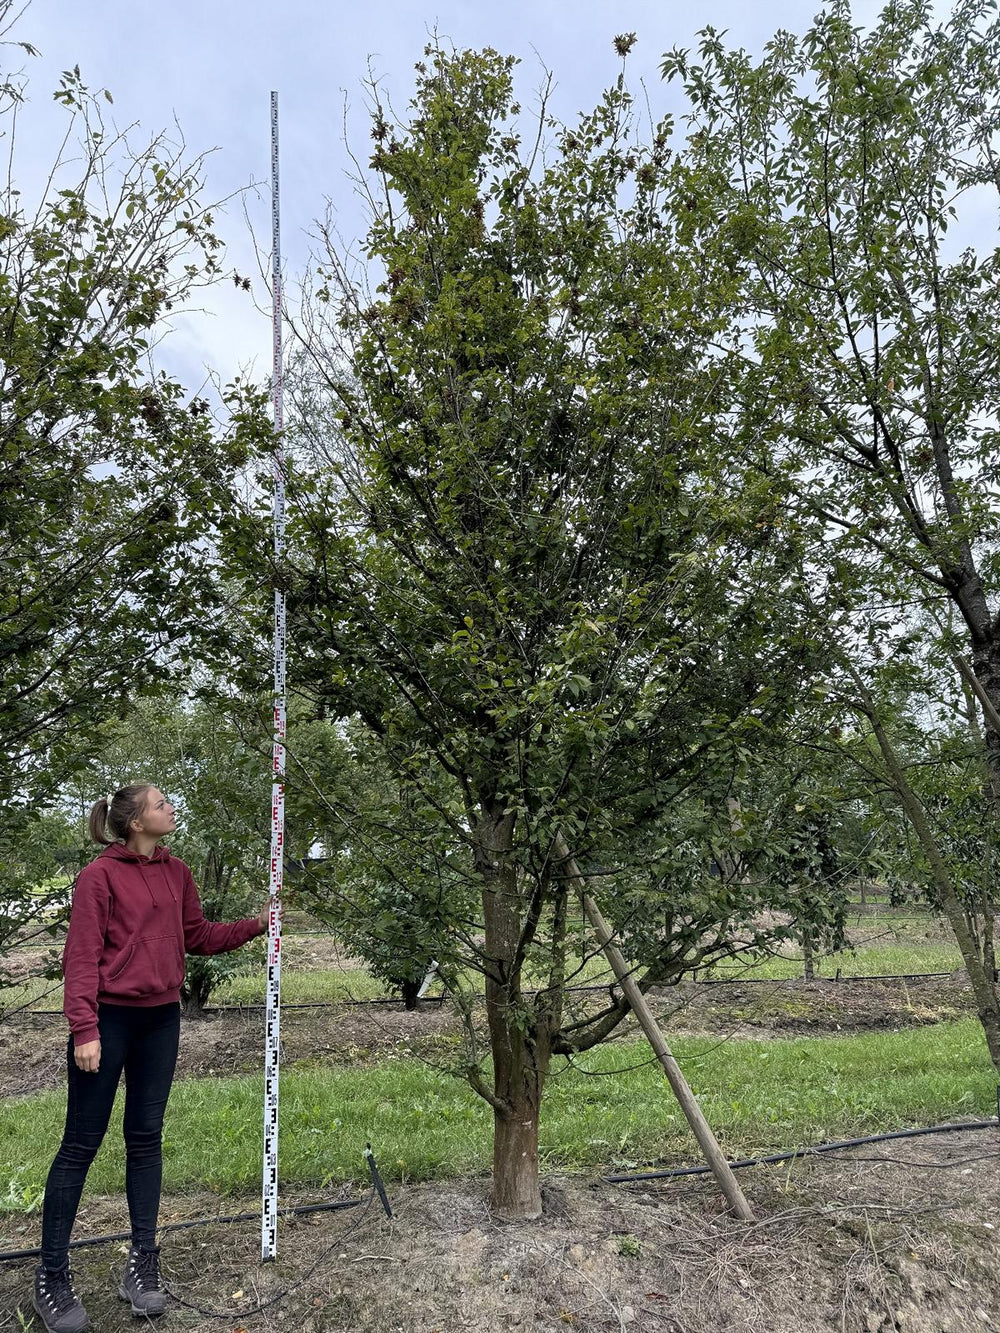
{"points": [[272, 1041]]}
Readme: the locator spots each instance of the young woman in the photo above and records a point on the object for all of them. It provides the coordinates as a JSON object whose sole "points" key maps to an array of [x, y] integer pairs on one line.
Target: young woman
{"points": [[135, 914]]}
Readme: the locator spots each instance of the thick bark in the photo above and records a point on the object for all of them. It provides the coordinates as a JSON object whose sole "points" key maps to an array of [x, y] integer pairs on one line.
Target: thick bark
{"points": [[516, 1192], [521, 1045], [193, 1006]]}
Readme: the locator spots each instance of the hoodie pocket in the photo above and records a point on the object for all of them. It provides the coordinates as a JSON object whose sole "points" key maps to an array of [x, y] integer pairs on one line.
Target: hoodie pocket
{"points": [[151, 965]]}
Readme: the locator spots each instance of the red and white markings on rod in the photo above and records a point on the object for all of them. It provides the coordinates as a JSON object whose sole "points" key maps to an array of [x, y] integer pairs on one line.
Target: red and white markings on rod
{"points": [[272, 1047]]}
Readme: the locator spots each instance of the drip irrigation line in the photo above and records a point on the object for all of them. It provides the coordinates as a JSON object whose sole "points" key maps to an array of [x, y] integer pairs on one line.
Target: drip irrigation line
{"points": [[322, 1004], [569, 990], [333, 1206], [838, 980], [243, 1008], [812, 1151]]}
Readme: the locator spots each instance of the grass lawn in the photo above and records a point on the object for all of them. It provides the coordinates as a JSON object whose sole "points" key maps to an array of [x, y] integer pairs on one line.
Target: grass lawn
{"points": [[316, 984], [870, 960], [759, 1096], [240, 988]]}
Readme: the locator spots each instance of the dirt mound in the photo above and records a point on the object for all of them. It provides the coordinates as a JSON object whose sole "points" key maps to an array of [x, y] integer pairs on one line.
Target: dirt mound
{"points": [[901, 1241]]}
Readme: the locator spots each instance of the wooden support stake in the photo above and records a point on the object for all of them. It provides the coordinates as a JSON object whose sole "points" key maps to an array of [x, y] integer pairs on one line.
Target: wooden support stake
{"points": [[707, 1141], [976, 686]]}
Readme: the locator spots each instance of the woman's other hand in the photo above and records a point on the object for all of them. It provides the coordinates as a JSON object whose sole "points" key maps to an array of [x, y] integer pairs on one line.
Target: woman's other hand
{"points": [[88, 1056]]}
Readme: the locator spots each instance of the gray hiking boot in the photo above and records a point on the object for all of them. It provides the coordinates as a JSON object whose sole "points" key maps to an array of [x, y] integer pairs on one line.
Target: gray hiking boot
{"points": [[141, 1282], [56, 1303]]}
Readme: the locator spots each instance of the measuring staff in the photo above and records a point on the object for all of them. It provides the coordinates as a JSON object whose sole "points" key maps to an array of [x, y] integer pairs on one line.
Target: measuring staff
{"points": [[272, 1022]]}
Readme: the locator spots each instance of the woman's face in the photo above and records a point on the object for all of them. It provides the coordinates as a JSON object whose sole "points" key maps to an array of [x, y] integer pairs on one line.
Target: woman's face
{"points": [[158, 818]]}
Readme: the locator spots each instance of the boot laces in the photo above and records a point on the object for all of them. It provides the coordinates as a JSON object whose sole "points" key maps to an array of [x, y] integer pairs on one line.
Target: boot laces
{"points": [[57, 1290], [146, 1267]]}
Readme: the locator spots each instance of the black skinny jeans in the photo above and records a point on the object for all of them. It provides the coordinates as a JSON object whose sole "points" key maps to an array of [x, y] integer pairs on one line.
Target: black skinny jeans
{"points": [[143, 1042]]}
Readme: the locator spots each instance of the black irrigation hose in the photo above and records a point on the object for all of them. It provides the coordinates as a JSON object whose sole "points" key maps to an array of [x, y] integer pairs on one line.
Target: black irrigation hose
{"points": [[839, 980], [635, 1177], [813, 1151], [333, 1206], [440, 999], [319, 1004], [336, 1205], [316, 1004], [239, 1008]]}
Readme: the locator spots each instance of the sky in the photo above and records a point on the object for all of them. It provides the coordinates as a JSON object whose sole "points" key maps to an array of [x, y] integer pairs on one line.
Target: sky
{"points": [[210, 67]]}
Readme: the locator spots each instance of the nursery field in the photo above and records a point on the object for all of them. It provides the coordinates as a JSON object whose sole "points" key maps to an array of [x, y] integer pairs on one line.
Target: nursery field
{"points": [[885, 1237]]}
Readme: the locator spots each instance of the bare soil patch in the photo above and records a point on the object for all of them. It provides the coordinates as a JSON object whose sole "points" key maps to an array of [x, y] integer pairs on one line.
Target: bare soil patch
{"points": [[33, 1047], [900, 1241]]}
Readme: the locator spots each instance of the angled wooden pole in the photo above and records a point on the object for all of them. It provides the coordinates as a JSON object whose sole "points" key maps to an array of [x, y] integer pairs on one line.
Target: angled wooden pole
{"points": [[976, 685], [702, 1130]]}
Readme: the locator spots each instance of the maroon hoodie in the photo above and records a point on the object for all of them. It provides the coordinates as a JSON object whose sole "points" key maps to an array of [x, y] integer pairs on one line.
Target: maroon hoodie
{"points": [[132, 921]]}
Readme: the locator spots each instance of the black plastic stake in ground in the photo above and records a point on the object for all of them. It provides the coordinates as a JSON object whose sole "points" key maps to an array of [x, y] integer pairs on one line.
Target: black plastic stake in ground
{"points": [[377, 1179]]}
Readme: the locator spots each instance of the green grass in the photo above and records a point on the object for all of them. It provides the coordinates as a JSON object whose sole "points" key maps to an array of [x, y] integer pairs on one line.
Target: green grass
{"points": [[299, 987], [759, 1096], [241, 988], [869, 960]]}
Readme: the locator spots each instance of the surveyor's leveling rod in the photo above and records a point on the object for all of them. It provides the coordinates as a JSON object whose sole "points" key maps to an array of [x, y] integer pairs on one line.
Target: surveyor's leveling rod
{"points": [[269, 1200]]}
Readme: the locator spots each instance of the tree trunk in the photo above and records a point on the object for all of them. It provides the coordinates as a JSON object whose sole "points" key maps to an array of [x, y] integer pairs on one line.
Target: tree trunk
{"points": [[809, 967], [521, 1046], [411, 990], [983, 984], [516, 1191], [193, 1005], [991, 715]]}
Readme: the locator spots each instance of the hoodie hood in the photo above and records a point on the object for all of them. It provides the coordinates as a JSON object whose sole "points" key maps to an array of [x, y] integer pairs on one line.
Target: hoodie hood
{"points": [[117, 851]]}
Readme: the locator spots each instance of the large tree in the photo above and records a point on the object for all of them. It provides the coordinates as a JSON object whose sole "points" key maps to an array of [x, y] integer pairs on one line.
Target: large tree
{"points": [[857, 168], [524, 559], [111, 474]]}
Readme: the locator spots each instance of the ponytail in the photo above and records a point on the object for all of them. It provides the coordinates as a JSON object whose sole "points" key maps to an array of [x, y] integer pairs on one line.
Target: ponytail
{"points": [[98, 822], [114, 814]]}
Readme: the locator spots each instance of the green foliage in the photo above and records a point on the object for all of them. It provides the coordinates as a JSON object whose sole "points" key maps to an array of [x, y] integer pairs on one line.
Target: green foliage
{"points": [[856, 166], [529, 568], [40, 854], [112, 476], [848, 159]]}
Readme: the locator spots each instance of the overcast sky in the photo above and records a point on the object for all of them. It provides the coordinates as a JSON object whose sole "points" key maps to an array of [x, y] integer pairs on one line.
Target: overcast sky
{"points": [[211, 65]]}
